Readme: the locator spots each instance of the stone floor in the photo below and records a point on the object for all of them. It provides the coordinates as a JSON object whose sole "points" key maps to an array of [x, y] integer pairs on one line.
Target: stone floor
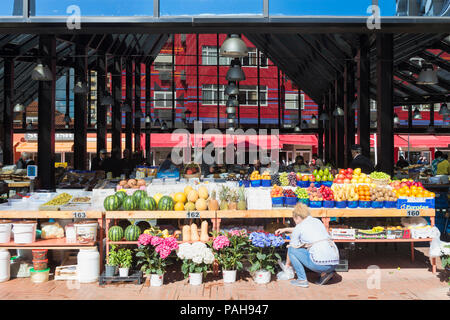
{"points": [[397, 278]]}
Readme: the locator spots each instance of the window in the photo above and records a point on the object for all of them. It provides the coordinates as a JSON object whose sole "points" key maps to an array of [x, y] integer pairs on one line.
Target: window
{"points": [[209, 94], [423, 107], [209, 57], [163, 99], [248, 95], [252, 59], [291, 101], [163, 62]]}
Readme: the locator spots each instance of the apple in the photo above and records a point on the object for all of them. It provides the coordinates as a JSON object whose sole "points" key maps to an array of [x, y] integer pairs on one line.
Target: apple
{"points": [[350, 171], [339, 181], [341, 176], [347, 180], [299, 177]]}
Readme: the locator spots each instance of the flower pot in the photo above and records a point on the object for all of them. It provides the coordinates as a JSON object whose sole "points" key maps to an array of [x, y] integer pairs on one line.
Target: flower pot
{"points": [[156, 280], [123, 272], [110, 271], [195, 279], [262, 277], [229, 276]]}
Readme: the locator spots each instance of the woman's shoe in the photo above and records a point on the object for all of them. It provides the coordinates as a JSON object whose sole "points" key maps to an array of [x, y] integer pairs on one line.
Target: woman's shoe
{"points": [[300, 283], [324, 279]]}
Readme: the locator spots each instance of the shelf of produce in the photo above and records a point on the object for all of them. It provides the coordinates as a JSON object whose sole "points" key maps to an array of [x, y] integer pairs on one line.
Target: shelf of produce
{"points": [[22, 184], [51, 244], [370, 212], [136, 243], [157, 214], [275, 213], [13, 214], [383, 240]]}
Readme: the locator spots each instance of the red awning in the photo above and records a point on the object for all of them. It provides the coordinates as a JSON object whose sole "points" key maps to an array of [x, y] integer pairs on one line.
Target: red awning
{"points": [[417, 141], [299, 139]]}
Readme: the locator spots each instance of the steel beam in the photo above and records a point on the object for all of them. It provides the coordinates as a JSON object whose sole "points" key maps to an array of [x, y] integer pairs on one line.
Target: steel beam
{"points": [[102, 71], [363, 83], [8, 112], [129, 101], [116, 126]]}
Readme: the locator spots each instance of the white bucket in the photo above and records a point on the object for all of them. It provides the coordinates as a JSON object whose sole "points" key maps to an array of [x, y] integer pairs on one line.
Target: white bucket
{"points": [[195, 279], [5, 231], [229, 276], [262, 277], [156, 280], [24, 232], [123, 272], [88, 265], [5, 265], [86, 232]]}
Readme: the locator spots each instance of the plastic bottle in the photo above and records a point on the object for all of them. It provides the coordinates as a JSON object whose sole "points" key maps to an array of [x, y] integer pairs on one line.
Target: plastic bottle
{"points": [[5, 265]]}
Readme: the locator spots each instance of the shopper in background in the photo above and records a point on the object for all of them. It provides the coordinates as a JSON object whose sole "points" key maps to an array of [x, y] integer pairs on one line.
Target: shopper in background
{"points": [[127, 164], [113, 163], [438, 157], [256, 166], [360, 161], [100, 162], [310, 247], [402, 163], [316, 162], [24, 161], [443, 167], [299, 165], [167, 164]]}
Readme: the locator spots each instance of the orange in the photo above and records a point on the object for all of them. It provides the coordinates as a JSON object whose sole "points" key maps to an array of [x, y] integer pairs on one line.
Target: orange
{"points": [[179, 206]]}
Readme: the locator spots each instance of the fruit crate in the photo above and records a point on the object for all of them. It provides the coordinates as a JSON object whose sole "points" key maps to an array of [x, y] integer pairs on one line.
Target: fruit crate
{"points": [[343, 233], [304, 201], [365, 204], [315, 204], [290, 201], [341, 204], [377, 204], [328, 204], [278, 202], [303, 184], [394, 234], [415, 203], [266, 183], [362, 234], [137, 276], [255, 183], [353, 204], [390, 204]]}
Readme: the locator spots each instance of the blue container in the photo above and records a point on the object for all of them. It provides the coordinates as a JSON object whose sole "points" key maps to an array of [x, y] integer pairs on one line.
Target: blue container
{"points": [[246, 183], [266, 183], [327, 183], [256, 183], [304, 201], [278, 202], [290, 201], [315, 204], [411, 203], [390, 204], [365, 204], [352, 204], [377, 204], [317, 184], [328, 203], [303, 184], [341, 204]]}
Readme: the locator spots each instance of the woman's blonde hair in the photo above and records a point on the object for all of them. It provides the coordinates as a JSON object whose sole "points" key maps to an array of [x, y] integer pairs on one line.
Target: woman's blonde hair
{"points": [[301, 210]]}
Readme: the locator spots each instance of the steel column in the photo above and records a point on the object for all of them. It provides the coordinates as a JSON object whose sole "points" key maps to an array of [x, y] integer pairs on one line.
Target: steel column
{"points": [[129, 100], [198, 77], [332, 127], [80, 103], [8, 112], [137, 105], [46, 114], [102, 71], [349, 118], [326, 125], [218, 82], [259, 88], [173, 83], [279, 97], [364, 95], [320, 130], [340, 151], [385, 96], [116, 126], [148, 84]]}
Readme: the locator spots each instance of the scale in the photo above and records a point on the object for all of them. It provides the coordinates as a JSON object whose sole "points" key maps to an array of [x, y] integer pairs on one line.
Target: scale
{"points": [[32, 171]]}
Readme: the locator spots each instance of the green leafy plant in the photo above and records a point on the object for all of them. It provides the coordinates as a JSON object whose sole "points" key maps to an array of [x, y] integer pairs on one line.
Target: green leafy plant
{"points": [[230, 249], [112, 256], [262, 255], [124, 258], [150, 261]]}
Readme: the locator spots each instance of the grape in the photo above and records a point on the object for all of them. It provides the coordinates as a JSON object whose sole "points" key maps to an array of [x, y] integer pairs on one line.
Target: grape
{"points": [[379, 175], [301, 193], [284, 181], [292, 177], [275, 179]]}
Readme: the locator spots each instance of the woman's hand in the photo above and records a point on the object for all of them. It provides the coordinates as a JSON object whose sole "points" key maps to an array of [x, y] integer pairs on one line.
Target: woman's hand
{"points": [[278, 231]]}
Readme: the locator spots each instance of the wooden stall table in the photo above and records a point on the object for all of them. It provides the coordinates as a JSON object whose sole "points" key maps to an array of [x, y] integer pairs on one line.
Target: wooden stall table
{"points": [[55, 244], [17, 185], [380, 213]]}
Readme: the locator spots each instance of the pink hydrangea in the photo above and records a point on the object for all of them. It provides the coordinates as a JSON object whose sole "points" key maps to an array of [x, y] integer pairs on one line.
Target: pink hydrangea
{"points": [[221, 242], [156, 241], [163, 250], [171, 242], [145, 239], [236, 233]]}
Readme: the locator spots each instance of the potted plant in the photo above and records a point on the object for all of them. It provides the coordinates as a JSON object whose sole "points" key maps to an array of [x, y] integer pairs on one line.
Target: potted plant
{"points": [[112, 263], [262, 255], [124, 260], [229, 251], [152, 254], [197, 259]]}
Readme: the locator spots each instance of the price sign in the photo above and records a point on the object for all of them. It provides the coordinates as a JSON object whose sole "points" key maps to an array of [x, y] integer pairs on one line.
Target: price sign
{"points": [[193, 215], [412, 213], [79, 215]]}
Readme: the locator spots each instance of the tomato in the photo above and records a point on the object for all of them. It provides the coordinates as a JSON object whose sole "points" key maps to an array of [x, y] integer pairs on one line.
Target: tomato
{"points": [[341, 176], [350, 171], [342, 171]]}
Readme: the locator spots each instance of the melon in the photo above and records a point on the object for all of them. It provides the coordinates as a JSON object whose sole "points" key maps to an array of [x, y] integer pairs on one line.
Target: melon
{"points": [[111, 203], [201, 204], [192, 196], [115, 233], [179, 206], [121, 195], [157, 196], [147, 204], [180, 197], [187, 189], [132, 233], [203, 192], [138, 195], [166, 204], [189, 206], [129, 203]]}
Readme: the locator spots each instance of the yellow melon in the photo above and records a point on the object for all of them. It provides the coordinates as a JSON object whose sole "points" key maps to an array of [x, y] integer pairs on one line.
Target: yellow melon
{"points": [[187, 189], [192, 196], [201, 204], [203, 192], [189, 206], [179, 206], [180, 197], [157, 196]]}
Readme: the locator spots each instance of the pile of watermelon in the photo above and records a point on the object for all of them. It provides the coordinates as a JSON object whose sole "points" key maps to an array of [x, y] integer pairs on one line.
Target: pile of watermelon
{"points": [[132, 233], [140, 200]]}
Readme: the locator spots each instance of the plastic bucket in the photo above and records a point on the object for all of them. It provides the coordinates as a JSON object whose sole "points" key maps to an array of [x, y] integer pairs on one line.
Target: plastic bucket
{"points": [[315, 204], [156, 280], [86, 231], [303, 184], [39, 254], [5, 231], [246, 183], [377, 204], [39, 276], [390, 204], [266, 183], [365, 204], [317, 184], [229, 276], [262, 277], [195, 279], [304, 201], [24, 231], [327, 183], [39, 265], [352, 204]]}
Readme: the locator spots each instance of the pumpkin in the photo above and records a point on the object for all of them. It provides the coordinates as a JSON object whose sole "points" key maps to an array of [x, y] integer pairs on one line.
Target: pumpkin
{"points": [[204, 232], [187, 189], [203, 192], [192, 196], [189, 206], [186, 233], [201, 204], [194, 233]]}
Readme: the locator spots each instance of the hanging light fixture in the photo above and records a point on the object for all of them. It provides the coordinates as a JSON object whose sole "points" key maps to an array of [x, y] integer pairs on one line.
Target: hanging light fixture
{"points": [[107, 99], [235, 73], [416, 114], [138, 114], [355, 105], [396, 119], [19, 108], [41, 73], [427, 75], [297, 128], [232, 102], [148, 119], [164, 126], [324, 117], [231, 89], [444, 110], [30, 126], [80, 88], [313, 120], [304, 125], [125, 107], [157, 123], [338, 112], [234, 47]]}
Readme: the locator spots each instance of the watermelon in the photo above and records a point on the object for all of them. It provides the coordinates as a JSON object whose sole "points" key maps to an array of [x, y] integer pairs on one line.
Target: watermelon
{"points": [[111, 203], [132, 233], [147, 204], [121, 195], [138, 195], [129, 203], [166, 204], [115, 233]]}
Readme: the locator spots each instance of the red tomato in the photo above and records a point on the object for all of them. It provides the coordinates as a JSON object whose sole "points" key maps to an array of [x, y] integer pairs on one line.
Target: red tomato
{"points": [[342, 171], [349, 176], [349, 171], [341, 176]]}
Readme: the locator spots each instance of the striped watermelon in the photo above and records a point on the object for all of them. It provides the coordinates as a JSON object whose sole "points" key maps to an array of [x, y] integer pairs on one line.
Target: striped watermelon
{"points": [[111, 203], [166, 204], [147, 204], [121, 195], [138, 195], [115, 233], [132, 233], [129, 203]]}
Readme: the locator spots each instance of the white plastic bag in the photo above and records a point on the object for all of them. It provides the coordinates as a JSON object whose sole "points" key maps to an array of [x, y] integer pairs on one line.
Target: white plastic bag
{"points": [[287, 273], [413, 222], [438, 247]]}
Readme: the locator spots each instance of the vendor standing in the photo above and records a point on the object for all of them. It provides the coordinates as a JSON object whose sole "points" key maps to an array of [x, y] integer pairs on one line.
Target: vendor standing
{"points": [[127, 164], [402, 163], [100, 162], [360, 161], [438, 157], [443, 167]]}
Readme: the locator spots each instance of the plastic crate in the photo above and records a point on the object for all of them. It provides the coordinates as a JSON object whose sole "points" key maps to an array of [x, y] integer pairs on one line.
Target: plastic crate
{"points": [[266, 183], [290, 201], [352, 204], [377, 204], [315, 204], [278, 202], [255, 183], [328, 203], [304, 201], [303, 184], [327, 183], [415, 203], [365, 204], [317, 184], [390, 204], [341, 204]]}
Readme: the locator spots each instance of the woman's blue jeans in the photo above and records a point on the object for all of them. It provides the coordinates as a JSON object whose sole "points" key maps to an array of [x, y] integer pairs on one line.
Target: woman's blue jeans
{"points": [[300, 259]]}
